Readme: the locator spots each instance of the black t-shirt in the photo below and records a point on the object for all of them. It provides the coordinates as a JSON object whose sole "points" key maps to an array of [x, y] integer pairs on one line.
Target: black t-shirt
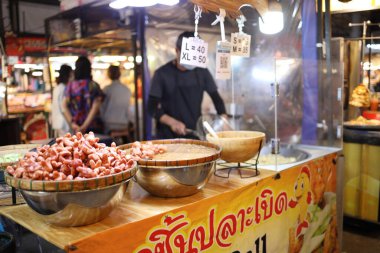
{"points": [[180, 94]]}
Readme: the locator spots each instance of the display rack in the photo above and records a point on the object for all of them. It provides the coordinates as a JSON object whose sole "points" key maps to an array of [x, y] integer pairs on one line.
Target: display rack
{"points": [[243, 168]]}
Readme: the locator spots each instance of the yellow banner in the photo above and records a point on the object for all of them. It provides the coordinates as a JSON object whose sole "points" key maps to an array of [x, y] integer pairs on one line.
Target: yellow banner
{"points": [[292, 212]]}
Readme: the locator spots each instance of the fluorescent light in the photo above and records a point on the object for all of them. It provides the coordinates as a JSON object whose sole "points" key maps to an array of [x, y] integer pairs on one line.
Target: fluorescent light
{"points": [[98, 65], [28, 66], [129, 65], [272, 22], [110, 58], [120, 4], [374, 46], [63, 59], [37, 73]]}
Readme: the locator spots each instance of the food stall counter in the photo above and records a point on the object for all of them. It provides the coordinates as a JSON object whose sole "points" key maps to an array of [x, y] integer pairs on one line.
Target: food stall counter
{"points": [[229, 215]]}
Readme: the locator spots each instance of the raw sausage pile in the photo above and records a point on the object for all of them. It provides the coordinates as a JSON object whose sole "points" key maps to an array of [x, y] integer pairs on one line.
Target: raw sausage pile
{"points": [[147, 150], [72, 157]]}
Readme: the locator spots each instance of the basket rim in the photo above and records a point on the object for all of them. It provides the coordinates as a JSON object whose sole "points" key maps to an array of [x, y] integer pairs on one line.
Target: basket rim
{"points": [[177, 163], [74, 185], [260, 135]]}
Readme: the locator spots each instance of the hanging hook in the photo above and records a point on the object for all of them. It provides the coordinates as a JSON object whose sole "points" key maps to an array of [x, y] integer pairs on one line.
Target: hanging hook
{"points": [[220, 19], [197, 16], [241, 20]]}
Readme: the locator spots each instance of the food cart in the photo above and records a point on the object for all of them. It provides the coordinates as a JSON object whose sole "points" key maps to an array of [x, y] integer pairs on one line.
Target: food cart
{"points": [[293, 207], [228, 215]]}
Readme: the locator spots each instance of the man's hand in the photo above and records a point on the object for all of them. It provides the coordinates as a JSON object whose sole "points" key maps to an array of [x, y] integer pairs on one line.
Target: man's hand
{"points": [[178, 127], [175, 125]]}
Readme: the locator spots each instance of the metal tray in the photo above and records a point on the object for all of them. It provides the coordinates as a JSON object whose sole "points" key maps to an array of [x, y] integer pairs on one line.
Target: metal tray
{"points": [[361, 127]]}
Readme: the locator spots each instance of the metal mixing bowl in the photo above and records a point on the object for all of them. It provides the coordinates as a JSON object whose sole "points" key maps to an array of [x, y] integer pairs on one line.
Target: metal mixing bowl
{"points": [[287, 151], [176, 181], [75, 208], [179, 177]]}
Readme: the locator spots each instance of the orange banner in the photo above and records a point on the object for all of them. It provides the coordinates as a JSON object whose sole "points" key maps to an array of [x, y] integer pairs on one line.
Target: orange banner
{"points": [[292, 212]]}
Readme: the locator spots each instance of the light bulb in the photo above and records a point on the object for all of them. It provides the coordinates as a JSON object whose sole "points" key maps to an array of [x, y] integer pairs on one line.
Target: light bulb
{"points": [[272, 22]]}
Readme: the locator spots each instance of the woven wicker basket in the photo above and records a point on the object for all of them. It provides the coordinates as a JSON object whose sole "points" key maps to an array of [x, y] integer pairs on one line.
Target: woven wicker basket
{"points": [[180, 162], [15, 149], [69, 185]]}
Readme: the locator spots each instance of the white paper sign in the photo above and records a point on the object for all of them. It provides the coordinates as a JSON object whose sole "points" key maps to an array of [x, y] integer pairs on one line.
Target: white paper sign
{"points": [[223, 60], [194, 52], [241, 44]]}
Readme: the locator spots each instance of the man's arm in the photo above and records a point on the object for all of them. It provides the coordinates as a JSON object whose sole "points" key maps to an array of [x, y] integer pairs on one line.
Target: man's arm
{"points": [[156, 111], [218, 103]]}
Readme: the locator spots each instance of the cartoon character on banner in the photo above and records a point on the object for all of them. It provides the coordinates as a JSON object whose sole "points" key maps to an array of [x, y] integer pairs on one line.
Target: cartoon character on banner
{"points": [[302, 200]]}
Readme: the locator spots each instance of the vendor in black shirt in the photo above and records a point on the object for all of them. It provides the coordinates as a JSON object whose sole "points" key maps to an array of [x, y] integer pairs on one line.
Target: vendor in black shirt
{"points": [[176, 95]]}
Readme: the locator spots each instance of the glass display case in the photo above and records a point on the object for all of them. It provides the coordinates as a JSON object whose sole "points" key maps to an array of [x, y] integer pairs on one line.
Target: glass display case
{"points": [[310, 101]]}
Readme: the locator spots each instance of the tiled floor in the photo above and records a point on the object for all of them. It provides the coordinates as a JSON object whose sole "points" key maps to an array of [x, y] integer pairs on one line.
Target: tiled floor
{"points": [[361, 238]]}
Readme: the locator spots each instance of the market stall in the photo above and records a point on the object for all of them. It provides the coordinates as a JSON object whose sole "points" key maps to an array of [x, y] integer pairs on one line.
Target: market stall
{"points": [[240, 205], [228, 215]]}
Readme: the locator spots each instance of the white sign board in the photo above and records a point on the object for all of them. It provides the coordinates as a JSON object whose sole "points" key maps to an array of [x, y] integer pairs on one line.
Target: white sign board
{"points": [[241, 44], [223, 60], [194, 52]]}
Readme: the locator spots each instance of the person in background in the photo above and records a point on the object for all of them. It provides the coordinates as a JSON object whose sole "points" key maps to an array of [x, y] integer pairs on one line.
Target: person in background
{"points": [[83, 98], [176, 95], [115, 108], [59, 122]]}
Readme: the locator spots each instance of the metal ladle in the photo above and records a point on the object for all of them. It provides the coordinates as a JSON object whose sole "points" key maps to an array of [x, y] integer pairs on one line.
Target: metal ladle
{"points": [[209, 129]]}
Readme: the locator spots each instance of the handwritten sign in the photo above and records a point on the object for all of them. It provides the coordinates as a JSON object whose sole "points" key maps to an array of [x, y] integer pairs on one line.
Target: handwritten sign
{"points": [[194, 52], [241, 44], [223, 60]]}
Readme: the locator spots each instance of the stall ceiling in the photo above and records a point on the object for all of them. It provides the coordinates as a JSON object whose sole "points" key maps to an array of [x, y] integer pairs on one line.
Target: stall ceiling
{"points": [[181, 17], [47, 2], [340, 24]]}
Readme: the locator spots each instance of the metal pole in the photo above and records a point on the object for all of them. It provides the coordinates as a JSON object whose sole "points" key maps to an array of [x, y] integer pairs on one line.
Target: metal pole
{"points": [[134, 48], [142, 68], [369, 69], [330, 134], [321, 81]]}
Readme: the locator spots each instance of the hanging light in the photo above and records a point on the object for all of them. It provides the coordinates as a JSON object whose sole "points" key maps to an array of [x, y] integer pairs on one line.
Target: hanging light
{"points": [[120, 4], [272, 21]]}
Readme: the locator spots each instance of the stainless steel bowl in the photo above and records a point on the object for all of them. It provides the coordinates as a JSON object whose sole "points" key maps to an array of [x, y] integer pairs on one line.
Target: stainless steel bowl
{"points": [[286, 151], [78, 208], [175, 181], [179, 176]]}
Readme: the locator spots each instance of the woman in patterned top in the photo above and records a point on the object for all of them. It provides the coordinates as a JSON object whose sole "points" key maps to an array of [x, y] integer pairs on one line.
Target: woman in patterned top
{"points": [[83, 98]]}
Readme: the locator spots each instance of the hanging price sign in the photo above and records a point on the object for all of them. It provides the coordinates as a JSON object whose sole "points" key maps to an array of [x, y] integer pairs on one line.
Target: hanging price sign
{"points": [[194, 52], [223, 60], [241, 44]]}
